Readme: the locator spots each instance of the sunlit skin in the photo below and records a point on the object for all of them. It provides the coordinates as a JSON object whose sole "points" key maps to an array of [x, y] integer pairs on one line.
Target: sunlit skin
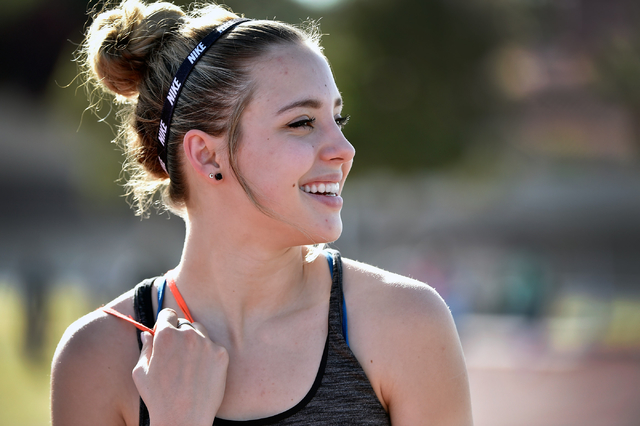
{"points": [[290, 137], [260, 308], [294, 139]]}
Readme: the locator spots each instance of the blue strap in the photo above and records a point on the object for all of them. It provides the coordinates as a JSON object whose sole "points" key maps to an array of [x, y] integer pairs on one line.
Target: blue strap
{"points": [[327, 254], [345, 329], [161, 296], [329, 257]]}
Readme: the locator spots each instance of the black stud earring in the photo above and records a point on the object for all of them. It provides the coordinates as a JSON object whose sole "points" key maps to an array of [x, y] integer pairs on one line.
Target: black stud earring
{"points": [[218, 176]]}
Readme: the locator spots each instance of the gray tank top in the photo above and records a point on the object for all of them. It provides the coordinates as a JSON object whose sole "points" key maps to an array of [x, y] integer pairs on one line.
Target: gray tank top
{"points": [[341, 393]]}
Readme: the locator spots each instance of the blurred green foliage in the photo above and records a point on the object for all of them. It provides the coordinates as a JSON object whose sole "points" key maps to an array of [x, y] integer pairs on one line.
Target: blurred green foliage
{"points": [[413, 76], [414, 80], [618, 62], [418, 77], [24, 388]]}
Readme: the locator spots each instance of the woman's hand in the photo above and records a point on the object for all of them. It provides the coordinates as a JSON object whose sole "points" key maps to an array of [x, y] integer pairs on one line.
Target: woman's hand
{"points": [[181, 373]]}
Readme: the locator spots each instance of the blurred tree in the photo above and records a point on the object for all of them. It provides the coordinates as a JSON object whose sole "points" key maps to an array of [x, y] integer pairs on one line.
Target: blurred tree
{"points": [[413, 73], [413, 76], [618, 63]]}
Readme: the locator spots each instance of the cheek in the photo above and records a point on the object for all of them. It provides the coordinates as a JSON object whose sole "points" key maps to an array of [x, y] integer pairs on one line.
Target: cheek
{"points": [[346, 168], [289, 156], [275, 166]]}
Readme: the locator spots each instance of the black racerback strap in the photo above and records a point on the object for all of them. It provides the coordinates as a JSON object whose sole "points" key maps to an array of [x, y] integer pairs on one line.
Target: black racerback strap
{"points": [[143, 310]]}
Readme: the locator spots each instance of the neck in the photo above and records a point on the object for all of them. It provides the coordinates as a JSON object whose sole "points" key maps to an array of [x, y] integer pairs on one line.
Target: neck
{"points": [[234, 283]]}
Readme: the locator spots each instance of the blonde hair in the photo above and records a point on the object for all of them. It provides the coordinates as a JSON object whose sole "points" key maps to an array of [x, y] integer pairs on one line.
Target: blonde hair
{"points": [[133, 50]]}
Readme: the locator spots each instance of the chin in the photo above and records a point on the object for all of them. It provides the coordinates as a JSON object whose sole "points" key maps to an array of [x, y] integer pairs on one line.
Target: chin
{"points": [[321, 234], [329, 234]]}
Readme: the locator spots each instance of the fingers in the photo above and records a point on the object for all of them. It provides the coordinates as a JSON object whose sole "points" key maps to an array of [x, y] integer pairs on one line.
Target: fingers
{"points": [[169, 318], [147, 348], [142, 365], [166, 317], [184, 324], [181, 372], [200, 328]]}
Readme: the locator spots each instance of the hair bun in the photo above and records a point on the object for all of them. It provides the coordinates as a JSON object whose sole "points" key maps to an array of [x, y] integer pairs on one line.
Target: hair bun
{"points": [[120, 41]]}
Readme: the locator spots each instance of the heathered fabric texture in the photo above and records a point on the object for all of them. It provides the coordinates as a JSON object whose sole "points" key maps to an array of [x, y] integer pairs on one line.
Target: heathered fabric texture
{"points": [[341, 393]]}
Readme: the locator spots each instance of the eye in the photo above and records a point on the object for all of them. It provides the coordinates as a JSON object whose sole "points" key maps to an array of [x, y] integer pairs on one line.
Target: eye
{"points": [[342, 121], [303, 123]]}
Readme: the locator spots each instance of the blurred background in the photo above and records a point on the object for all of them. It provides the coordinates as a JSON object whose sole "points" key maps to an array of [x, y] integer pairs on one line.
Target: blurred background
{"points": [[498, 160]]}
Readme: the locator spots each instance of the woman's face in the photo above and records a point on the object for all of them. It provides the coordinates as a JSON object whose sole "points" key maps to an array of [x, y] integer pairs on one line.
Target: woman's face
{"points": [[292, 152]]}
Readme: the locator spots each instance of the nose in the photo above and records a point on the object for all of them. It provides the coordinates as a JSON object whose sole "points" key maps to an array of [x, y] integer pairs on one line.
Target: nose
{"points": [[337, 148]]}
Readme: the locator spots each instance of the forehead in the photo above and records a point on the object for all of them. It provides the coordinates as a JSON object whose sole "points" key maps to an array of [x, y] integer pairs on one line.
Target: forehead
{"points": [[290, 73]]}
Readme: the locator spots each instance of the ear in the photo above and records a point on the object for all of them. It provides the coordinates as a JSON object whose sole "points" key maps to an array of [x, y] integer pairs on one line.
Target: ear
{"points": [[203, 151]]}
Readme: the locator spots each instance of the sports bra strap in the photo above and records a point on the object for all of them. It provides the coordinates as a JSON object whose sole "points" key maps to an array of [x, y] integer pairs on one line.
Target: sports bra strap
{"points": [[161, 289], [345, 329], [329, 256], [330, 260]]}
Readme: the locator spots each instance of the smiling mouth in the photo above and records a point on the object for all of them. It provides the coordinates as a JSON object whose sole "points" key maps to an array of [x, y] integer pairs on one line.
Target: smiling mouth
{"points": [[328, 189]]}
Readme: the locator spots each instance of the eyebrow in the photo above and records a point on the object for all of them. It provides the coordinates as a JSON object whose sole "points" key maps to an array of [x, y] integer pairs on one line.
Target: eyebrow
{"points": [[306, 103]]}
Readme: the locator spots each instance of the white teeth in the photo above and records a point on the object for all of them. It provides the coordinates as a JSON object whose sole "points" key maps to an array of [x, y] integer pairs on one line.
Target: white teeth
{"points": [[322, 188]]}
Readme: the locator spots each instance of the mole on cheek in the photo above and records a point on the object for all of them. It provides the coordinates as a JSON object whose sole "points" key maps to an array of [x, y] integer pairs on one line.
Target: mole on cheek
{"points": [[293, 186]]}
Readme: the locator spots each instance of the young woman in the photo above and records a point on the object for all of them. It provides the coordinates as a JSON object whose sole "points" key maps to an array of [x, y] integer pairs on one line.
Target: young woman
{"points": [[237, 124]]}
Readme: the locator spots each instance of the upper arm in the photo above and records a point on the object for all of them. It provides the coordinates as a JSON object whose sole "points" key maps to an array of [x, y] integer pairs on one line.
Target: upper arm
{"points": [[403, 334], [428, 381], [91, 373]]}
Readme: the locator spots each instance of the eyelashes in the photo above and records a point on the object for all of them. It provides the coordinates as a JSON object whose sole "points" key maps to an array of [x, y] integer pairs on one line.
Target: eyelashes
{"points": [[342, 121], [308, 122], [305, 123]]}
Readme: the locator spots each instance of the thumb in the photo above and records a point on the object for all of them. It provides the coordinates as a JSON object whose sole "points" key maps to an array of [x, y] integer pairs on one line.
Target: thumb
{"points": [[142, 366]]}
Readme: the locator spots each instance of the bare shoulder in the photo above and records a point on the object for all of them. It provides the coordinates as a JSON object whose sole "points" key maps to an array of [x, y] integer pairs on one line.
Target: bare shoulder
{"points": [[91, 369], [394, 307], [88, 335], [404, 336], [399, 297]]}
